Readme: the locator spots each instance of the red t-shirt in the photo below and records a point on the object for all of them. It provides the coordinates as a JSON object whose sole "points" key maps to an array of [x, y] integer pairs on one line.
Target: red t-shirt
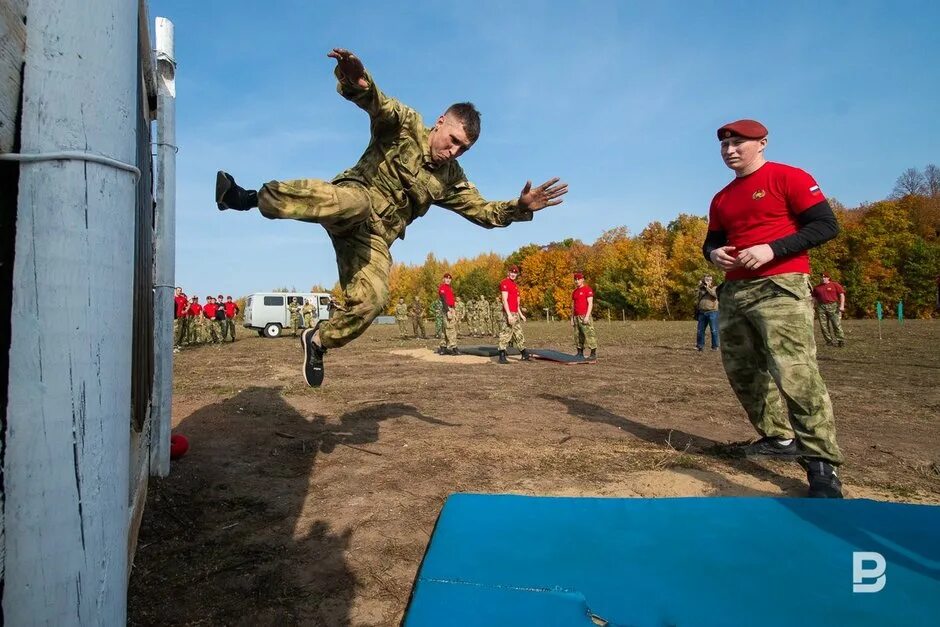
{"points": [[181, 304], [509, 286], [230, 309], [209, 310], [195, 309], [762, 207], [580, 297], [447, 293], [828, 292]]}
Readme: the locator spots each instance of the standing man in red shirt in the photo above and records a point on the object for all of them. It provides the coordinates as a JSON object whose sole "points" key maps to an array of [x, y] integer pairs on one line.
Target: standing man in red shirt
{"points": [[760, 227], [512, 317], [231, 310], [180, 327], [449, 307], [582, 301], [209, 312], [829, 297], [194, 313]]}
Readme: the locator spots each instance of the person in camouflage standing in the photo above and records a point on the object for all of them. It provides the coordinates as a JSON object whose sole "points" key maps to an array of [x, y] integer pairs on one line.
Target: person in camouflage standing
{"points": [[231, 310], [416, 311], [445, 294], [195, 321], [473, 318], [293, 308], [496, 316], [438, 311], [483, 311], [460, 310], [401, 317], [582, 306], [760, 227], [307, 312], [406, 168], [511, 333], [829, 297]]}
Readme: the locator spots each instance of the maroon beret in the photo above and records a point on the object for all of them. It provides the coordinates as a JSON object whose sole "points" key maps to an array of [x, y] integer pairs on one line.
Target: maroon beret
{"points": [[514, 269], [748, 129], [578, 275], [447, 275]]}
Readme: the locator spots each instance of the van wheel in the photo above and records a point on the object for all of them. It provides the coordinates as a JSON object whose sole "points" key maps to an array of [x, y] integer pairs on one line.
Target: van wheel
{"points": [[272, 330]]}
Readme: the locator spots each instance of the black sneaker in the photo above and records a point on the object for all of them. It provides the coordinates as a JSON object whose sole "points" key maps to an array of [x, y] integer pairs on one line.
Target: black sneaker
{"points": [[502, 357], [525, 355], [772, 447], [580, 353], [313, 359], [840, 343], [228, 195], [441, 350], [454, 351], [822, 478], [593, 355]]}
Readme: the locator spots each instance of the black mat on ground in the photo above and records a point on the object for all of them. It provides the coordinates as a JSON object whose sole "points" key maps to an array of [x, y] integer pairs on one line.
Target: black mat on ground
{"points": [[485, 351], [559, 357]]}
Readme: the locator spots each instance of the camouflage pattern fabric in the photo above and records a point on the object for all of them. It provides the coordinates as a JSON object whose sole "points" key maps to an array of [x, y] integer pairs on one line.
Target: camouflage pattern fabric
{"points": [[438, 310], [307, 313], [483, 311], [416, 311], [461, 310], [229, 328], [584, 335], [511, 334], [830, 322], [182, 331], [449, 338], [769, 354], [401, 317], [496, 316]]}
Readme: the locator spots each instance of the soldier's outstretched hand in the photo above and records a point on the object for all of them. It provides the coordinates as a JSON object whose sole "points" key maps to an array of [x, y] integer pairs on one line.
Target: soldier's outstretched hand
{"points": [[548, 194], [350, 66]]}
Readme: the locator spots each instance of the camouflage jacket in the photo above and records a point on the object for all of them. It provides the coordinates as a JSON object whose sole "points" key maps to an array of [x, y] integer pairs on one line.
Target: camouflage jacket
{"points": [[401, 311], [397, 170]]}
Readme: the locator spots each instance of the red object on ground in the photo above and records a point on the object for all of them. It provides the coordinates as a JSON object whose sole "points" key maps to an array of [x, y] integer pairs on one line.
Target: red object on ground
{"points": [[178, 446]]}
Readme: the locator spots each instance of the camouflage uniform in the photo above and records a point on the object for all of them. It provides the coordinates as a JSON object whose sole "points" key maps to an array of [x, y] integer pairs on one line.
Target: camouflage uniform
{"points": [[830, 322], [496, 316], [460, 311], [366, 208], [307, 311], [417, 318], [769, 353], [438, 310], [511, 334], [182, 335], [294, 310], [401, 317], [473, 319], [483, 311], [584, 335]]}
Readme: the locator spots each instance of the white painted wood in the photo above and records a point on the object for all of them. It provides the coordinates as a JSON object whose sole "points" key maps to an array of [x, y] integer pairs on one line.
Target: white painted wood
{"points": [[12, 44], [164, 257], [66, 466]]}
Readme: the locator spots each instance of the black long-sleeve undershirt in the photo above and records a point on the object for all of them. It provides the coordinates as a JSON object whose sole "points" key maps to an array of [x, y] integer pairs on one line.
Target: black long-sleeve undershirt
{"points": [[818, 225]]}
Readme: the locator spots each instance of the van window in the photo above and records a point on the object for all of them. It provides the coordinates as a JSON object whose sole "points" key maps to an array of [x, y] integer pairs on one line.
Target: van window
{"points": [[273, 300], [324, 300]]}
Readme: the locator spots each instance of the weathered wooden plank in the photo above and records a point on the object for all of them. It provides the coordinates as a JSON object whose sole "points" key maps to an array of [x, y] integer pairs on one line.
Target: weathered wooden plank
{"points": [[12, 47]]}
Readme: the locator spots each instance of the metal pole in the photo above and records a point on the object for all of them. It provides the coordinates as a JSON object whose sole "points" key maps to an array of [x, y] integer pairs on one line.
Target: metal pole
{"points": [[66, 478], [164, 254]]}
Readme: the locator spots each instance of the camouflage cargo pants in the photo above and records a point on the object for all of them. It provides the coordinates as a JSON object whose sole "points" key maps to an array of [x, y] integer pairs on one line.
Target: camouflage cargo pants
{"points": [[449, 335], [402, 327], [418, 325], [584, 335], [229, 328], [511, 334], [830, 321], [439, 326], [362, 256], [769, 354]]}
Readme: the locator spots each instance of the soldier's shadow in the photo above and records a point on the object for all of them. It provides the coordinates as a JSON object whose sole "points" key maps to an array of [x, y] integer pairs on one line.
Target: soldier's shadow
{"points": [[227, 537], [677, 439]]}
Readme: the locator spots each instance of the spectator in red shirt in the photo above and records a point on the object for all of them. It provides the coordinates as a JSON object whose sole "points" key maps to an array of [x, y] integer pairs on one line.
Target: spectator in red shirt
{"points": [[208, 312], [180, 326], [449, 308], [760, 228], [194, 314], [231, 310], [511, 334], [582, 305], [829, 297]]}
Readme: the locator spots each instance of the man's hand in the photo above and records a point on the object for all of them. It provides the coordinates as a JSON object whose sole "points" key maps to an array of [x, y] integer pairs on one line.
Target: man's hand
{"points": [[522, 316], [548, 194], [349, 66], [572, 321], [756, 256], [724, 259]]}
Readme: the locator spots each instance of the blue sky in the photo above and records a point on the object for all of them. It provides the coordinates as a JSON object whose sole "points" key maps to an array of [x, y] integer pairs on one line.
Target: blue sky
{"points": [[620, 99]]}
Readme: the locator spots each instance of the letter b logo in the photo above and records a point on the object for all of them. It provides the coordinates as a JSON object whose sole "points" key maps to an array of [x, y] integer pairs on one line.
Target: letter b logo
{"points": [[868, 566]]}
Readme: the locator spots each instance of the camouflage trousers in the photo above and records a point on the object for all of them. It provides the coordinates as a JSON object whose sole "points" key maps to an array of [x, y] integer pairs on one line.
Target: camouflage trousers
{"points": [[418, 324], [511, 334], [584, 335], [180, 329], [197, 332], [438, 326], [229, 328], [402, 327], [308, 320], [212, 331], [362, 256], [830, 321], [769, 354], [449, 337]]}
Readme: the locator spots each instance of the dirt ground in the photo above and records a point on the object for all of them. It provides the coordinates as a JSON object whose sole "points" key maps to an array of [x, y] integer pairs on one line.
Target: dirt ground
{"points": [[314, 507]]}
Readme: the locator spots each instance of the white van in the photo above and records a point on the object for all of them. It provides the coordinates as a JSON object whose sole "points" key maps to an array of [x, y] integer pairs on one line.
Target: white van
{"points": [[267, 313]]}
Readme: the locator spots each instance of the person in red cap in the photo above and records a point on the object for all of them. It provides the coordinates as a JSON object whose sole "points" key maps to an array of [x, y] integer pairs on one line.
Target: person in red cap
{"points": [[582, 304], [180, 326], [829, 297], [194, 313], [231, 310], [511, 333], [759, 230], [449, 308]]}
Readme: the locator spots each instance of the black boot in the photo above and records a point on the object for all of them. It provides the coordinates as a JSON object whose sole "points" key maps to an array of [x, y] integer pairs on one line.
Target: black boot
{"points": [[525, 355], [580, 353], [593, 354], [228, 195], [502, 357]]}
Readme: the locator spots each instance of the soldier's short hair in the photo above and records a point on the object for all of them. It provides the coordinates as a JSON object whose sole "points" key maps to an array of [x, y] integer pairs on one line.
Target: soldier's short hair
{"points": [[468, 116]]}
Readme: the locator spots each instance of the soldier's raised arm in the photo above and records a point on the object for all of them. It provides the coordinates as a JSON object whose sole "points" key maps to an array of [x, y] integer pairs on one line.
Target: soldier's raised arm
{"points": [[465, 199], [356, 85]]}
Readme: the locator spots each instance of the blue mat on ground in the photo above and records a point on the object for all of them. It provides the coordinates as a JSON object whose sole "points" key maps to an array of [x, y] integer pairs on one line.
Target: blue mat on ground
{"points": [[516, 560], [562, 358], [485, 351]]}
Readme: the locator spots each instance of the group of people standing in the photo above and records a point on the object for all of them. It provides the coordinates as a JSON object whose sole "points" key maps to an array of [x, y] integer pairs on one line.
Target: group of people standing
{"points": [[303, 315], [476, 317], [197, 323]]}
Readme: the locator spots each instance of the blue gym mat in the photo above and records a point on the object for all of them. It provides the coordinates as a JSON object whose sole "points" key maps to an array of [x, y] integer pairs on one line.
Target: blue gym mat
{"points": [[516, 560]]}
